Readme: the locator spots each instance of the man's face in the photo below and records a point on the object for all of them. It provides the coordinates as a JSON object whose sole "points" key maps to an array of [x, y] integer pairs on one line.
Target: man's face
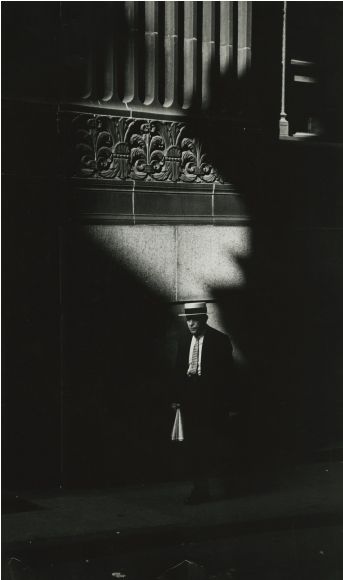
{"points": [[196, 324]]}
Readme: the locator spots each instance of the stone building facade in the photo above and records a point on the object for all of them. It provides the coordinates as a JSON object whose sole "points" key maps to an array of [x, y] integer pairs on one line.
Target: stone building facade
{"points": [[143, 168]]}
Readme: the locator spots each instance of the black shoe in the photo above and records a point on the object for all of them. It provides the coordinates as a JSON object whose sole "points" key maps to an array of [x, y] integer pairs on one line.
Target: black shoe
{"points": [[197, 497]]}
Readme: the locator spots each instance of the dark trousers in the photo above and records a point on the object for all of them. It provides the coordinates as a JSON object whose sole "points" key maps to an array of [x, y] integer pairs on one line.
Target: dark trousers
{"points": [[199, 433]]}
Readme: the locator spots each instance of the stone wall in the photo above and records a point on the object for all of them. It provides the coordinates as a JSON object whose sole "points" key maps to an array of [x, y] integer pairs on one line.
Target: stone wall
{"points": [[142, 169], [180, 263]]}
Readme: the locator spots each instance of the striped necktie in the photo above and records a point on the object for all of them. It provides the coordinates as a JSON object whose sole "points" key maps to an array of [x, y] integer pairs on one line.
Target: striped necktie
{"points": [[193, 367]]}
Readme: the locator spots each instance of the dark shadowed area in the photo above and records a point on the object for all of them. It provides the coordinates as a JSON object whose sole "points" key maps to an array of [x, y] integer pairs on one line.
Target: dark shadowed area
{"points": [[89, 342]]}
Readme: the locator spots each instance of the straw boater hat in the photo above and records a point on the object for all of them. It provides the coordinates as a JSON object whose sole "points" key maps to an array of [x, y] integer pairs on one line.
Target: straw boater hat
{"points": [[195, 309]]}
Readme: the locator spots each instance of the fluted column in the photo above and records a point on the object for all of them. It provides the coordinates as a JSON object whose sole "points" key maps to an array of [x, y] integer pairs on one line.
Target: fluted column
{"points": [[151, 53], [226, 36], [124, 67], [244, 38], [111, 68], [131, 69], [190, 53], [171, 54], [208, 51], [89, 91]]}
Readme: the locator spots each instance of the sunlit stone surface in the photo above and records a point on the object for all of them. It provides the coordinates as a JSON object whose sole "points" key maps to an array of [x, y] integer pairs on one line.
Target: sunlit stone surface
{"points": [[207, 258], [179, 262], [147, 251]]}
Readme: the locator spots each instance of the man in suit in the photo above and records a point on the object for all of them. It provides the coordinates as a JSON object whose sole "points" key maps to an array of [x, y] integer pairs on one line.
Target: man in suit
{"points": [[202, 382]]}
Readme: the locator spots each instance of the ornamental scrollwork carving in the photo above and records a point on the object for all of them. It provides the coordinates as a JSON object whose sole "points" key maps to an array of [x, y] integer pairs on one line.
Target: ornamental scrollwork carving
{"points": [[195, 166], [147, 156], [171, 134], [121, 148], [93, 147]]}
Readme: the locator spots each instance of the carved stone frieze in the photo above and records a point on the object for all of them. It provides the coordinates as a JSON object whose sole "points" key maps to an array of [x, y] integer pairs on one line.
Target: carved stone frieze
{"points": [[120, 148]]}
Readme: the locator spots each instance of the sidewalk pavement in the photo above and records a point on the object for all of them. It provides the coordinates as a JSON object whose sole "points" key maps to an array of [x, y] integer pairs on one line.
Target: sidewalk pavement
{"points": [[303, 495]]}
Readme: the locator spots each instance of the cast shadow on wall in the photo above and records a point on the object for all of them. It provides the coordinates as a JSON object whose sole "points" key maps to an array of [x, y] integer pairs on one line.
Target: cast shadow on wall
{"points": [[285, 320], [116, 414]]}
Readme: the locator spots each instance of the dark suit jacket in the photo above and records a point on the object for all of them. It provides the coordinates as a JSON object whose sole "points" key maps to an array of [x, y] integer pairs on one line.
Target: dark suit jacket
{"points": [[205, 399]]}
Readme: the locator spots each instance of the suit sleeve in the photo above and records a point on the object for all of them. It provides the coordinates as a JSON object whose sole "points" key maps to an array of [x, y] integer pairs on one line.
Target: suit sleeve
{"points": [[225, 374], [178, 373]]}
